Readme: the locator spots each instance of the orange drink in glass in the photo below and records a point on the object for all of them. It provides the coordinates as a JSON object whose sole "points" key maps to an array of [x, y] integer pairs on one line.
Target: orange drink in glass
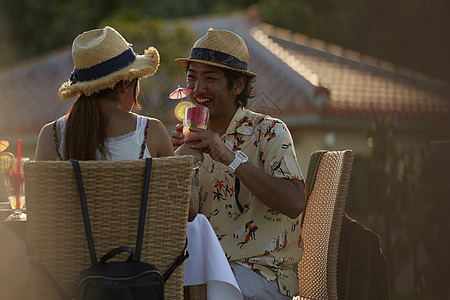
{"points": [[195, 117]]}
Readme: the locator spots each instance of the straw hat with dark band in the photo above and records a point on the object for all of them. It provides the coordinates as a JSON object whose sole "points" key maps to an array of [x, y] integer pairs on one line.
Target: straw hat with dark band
{"points": [[220, 48], [102, 58]]}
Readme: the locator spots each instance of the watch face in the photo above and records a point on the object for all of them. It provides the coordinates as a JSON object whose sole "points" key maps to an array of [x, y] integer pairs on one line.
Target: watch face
{"points": [[241, 156]]}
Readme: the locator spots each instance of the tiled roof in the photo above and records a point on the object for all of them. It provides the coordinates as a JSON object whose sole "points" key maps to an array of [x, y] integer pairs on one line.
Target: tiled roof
{"points": [[280, 89], [297, 76], [360, 86], [28, 93]]}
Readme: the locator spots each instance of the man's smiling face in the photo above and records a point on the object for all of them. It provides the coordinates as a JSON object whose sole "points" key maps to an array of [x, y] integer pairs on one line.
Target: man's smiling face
{"points": [[210, 88]]}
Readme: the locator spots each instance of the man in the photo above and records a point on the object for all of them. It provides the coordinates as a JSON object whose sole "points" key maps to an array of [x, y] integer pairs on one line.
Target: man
{"points": [[251, 187]]}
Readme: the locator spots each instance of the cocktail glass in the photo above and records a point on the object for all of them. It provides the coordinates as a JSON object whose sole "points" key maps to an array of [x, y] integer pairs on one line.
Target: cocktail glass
{"points": [[15, 190], [195, 116]]}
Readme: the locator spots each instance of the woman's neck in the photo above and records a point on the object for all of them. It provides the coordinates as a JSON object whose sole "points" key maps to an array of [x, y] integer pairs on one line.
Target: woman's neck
{"points": [[113, 104]]}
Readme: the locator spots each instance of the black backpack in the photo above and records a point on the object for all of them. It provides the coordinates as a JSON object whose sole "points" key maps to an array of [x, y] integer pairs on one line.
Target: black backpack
{"points": [[131, 279]]}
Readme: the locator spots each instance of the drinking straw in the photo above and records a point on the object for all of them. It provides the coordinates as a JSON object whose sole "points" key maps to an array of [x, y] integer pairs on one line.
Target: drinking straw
{"points": [[19, 153], [19, 180]]}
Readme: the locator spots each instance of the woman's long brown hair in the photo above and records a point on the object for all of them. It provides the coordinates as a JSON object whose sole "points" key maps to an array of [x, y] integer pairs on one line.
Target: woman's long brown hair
{"points": [[86, 126]]}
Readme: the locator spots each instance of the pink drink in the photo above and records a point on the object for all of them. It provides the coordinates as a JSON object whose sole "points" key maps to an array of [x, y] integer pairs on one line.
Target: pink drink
{"points": [[195, 117], [14, 183], [15, 190]]}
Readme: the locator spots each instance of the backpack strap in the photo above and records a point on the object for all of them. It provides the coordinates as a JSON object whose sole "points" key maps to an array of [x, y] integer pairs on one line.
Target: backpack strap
{"points": [[84, 210], [178, 261], [55, 135], [87, 226], [140, 234]]}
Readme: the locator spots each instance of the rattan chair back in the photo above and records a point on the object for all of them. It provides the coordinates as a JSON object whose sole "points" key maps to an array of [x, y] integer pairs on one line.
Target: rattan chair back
{"points": [[55, 232], [317, 270]]}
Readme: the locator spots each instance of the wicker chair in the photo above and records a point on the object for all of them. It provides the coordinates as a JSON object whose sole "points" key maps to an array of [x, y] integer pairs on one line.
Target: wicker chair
{"points": [[55, 232], [327, 184], [195, 292]]}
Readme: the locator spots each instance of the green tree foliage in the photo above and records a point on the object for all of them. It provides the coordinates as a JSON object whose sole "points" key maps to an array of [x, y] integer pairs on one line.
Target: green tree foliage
{"points": [[38, 27], [409, 33], [34, 27], [7, 49], [173, 40]]}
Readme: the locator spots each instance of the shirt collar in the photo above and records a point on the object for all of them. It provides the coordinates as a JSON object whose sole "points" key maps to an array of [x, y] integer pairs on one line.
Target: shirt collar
{"points": [[242, 122]]}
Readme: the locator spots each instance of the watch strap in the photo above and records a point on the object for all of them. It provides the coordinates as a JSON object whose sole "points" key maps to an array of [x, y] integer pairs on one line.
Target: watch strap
{"points": [[239, 158]]}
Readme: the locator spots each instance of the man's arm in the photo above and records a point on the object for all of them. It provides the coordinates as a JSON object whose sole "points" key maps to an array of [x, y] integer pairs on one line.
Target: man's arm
{"points": [[286, 196]]}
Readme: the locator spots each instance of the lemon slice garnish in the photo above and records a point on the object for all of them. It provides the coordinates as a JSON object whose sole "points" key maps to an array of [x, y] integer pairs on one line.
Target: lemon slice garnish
{"points": [[6, 162], [3, 145], [181, 108]]}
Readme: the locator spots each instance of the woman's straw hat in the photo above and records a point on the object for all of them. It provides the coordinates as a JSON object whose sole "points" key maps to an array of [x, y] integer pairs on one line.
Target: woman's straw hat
{"points": [[102, 58], [220, 48]]}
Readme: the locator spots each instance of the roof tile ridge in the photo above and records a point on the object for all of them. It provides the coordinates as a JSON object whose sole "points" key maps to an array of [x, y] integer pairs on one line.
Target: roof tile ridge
{"points": [[342, 52], [262, 38]]}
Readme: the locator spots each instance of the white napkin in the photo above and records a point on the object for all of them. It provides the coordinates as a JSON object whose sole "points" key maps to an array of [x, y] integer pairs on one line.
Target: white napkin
{"points": [[207, 262]]}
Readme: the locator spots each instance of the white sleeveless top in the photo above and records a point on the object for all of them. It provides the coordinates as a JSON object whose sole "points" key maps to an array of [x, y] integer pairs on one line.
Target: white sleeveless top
{"points": [[127, 146]]}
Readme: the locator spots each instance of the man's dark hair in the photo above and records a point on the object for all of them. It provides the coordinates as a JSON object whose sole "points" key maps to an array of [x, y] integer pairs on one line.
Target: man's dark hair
{"points": [[247, 92]]}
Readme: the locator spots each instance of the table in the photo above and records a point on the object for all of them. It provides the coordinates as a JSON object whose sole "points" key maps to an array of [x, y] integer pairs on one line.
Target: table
{"points": [[207, 262], [17, 228], [13, 261]]}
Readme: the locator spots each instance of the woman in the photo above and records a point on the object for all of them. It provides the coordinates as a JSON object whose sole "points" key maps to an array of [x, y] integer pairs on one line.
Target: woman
{"points": [[100, 124]]}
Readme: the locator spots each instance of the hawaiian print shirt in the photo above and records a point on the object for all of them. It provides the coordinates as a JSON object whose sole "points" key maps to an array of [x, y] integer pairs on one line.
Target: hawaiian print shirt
{"points": [[251, 233]]}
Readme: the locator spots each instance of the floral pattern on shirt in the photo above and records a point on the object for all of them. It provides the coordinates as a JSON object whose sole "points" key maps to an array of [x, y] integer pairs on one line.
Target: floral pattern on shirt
{"points": [[251, 233]]}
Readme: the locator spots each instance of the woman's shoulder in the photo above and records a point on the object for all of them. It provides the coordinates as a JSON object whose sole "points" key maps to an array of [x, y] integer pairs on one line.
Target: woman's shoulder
{"points": [[47, 130], [158, 140], [50, 128], [45, 148], [153, 123]]}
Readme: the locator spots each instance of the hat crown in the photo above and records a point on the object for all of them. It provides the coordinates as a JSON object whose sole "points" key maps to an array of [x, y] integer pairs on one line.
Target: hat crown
{"points": [[96, 46], [224, 41], [102, 58], [220, 48]]}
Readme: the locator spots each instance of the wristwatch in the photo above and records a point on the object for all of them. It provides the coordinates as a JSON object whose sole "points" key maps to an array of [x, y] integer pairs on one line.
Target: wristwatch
{"points": [[239, 158]]}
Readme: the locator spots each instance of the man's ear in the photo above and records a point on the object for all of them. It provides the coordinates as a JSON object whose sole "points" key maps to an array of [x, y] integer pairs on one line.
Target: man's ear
{"points": [[238, 86]]}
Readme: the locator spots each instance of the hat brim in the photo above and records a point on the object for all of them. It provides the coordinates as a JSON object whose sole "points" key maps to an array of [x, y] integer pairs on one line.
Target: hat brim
{"points": [[185, 61], [143, 66]]}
